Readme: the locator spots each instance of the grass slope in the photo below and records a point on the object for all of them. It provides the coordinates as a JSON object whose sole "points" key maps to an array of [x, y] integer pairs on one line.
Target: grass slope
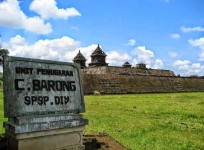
{"points": [[149, 121], [146, 121]]}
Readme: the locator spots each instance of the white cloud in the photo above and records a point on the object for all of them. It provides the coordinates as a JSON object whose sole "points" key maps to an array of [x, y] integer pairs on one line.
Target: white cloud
{"points": [[54, 49], [18, 40], [86, 52], [146, 56], [48, 9], [158, 64], [131, 42], [175, 36], [192, 29], [182, 64], [36, 25], [200, 44], [173, 54], [61, 49], [117, 59], [189, 68], [11, 15], [66, 48], [143, 55], [134, 62]]}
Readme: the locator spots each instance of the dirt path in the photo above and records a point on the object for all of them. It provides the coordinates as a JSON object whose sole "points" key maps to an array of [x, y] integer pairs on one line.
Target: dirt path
{"points": [[104, 142]]}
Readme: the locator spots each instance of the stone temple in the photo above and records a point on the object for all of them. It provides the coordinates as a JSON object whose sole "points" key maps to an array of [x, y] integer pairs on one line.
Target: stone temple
{"points": [[80, 59], [99, 76], [98, 65]]}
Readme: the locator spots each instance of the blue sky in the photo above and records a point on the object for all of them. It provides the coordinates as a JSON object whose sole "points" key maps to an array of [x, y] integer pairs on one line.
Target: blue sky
{"points": [[164, 34]]}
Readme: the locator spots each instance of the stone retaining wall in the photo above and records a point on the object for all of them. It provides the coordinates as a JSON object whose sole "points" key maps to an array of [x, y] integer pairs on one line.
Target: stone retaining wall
{"points": [[127, 71], [118, 84]]}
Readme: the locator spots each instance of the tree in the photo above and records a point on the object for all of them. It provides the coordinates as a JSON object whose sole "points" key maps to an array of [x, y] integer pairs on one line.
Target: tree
{"points": [[3, 52], [1, 79], [194, 76]]}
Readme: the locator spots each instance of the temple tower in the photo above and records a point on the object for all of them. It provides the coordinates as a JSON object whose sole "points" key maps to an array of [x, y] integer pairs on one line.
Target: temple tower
{"points": [[80, 59], [127, 65], [141, 66], [98, 58]]}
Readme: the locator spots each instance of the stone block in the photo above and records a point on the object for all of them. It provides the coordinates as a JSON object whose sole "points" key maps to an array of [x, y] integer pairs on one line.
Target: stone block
{"points": [[41, 87], [58, 139]]}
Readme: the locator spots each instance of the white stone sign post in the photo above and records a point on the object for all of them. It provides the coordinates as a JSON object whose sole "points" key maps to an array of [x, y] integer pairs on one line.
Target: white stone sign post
{"points": [[43, 100]]}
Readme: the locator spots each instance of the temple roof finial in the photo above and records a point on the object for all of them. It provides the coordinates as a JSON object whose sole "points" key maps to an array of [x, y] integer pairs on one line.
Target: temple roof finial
{"points": [[79, 56], [127, 64], [98, 51]]}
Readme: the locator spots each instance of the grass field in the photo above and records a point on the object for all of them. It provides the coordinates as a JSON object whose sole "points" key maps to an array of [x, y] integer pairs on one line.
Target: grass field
{"points": [[146, 121], [149, 121]]}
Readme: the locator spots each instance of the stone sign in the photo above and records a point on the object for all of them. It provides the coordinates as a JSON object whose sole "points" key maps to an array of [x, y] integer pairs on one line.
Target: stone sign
{"points": [[43, 98], [38, 87]]}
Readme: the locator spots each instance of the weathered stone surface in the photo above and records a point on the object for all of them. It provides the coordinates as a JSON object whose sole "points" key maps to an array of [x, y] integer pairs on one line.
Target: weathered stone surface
{"points": [[40, 87], [115, 70], [115, 83], [42, 126], [61, 139], [44, 119]]}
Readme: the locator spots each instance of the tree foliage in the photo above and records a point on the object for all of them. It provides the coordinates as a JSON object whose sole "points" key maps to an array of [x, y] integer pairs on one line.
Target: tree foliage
{"points": [[1, 79], [3, 52]]}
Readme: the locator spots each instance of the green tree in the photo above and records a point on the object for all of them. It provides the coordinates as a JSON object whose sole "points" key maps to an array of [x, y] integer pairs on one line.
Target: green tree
{"points": [[1, 79], [3, 52]]}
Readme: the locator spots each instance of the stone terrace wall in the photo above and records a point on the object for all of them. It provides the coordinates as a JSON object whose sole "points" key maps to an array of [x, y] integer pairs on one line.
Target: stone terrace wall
{"points": [[127, 71], [118, 84]]}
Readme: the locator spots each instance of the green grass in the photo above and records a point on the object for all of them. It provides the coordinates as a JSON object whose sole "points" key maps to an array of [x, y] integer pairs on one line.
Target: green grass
{"points": [[146, 121], [2, 119], [149, 121]]}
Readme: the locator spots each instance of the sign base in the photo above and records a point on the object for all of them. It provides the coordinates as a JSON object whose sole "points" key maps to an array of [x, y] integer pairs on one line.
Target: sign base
{"points": [[56, 132], [58, 139]]}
